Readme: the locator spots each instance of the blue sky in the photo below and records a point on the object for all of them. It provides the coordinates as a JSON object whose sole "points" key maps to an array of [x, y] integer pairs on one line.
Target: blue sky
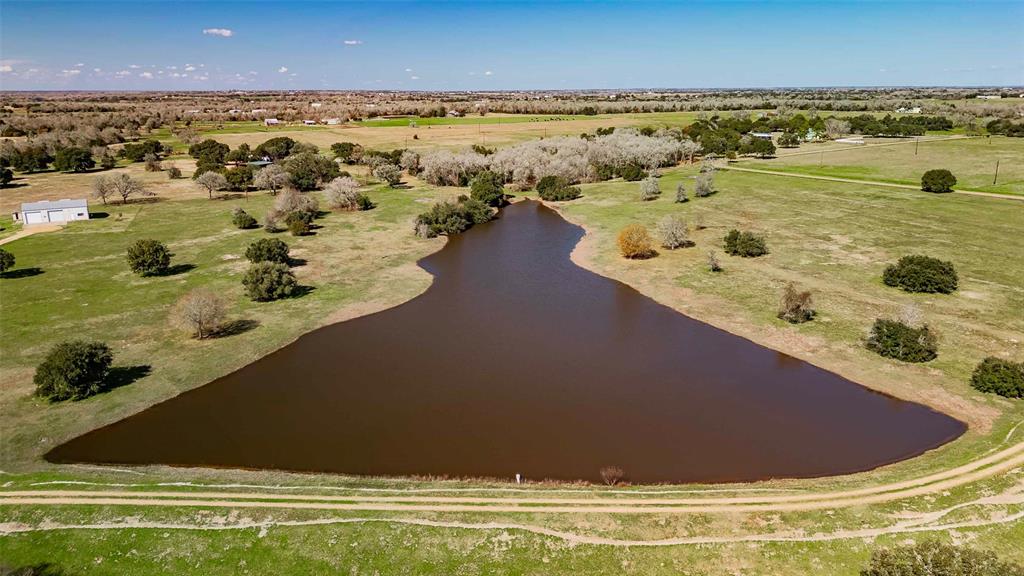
{"points": [[488, 45]]}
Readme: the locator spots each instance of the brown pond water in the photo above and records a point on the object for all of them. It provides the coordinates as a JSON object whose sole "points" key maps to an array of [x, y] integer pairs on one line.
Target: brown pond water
{"points": [[516, 360]]}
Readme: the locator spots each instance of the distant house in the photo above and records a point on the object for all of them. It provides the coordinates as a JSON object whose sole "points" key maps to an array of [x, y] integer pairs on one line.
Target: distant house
{"points": [[259, 163], [316, 104], [914, 110], [454, 113], [55, 212], [850, 140], [234, 111], [761, 135], [270, 122], [332, 121], [309, 122], [988, 96]]}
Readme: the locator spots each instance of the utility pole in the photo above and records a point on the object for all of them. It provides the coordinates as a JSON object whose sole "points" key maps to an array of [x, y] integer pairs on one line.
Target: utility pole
{"points": [[996, 175]]}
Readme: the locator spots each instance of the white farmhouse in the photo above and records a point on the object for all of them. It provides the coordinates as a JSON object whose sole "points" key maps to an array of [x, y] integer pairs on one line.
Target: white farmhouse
{"points": [[55, 212], [271, 122]]}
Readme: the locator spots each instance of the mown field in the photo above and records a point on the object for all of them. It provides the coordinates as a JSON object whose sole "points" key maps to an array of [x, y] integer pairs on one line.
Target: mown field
{"points": [[833, 238], [971, 160]]}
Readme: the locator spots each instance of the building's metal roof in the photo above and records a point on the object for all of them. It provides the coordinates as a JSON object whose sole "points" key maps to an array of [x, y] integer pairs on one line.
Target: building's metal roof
{"points": [[54, 205]]}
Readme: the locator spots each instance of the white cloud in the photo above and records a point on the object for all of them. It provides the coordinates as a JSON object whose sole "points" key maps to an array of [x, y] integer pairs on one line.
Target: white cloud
{"points": [[6, 68], [408, 69], [122, 73], [97, 70], [189, 68], [80, 64], [353, 42], [488, 73], [147, 75], [70, 73], [134, 66], [414, 77], [223, 32], [282, 69], [253, 73]]}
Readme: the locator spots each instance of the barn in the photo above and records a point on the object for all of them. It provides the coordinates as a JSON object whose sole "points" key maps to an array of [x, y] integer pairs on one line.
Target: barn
{"points": [[55, 212]]}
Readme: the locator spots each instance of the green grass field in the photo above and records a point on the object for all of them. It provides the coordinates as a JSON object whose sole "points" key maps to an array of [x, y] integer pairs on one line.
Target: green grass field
{"points": [[972, 161]]}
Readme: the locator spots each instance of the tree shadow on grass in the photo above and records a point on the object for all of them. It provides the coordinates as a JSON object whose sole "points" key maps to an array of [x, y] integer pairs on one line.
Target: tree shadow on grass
{"points": [[300, 291], [178, 269], [297, 262], [42, 569], [98, 215], [236, 327], [124, 375], [22, 273]]}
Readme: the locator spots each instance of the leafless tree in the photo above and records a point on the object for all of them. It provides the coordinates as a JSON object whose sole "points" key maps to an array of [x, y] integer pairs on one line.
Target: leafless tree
{"points": [[388, 173], [705, 185], [201, 312], [101, 190], [673, 232], [272, 178], [212, 182], [152, 163], [649, 189], [713, 264], [342, 193], [123, 185], [612, 475], [836, 128], [795, 306]]}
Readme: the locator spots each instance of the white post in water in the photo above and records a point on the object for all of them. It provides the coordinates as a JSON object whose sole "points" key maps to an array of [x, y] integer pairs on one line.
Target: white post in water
{"points": [[518, 478]]}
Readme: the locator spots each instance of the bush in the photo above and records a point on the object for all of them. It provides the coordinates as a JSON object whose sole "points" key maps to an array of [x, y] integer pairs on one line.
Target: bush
{"points": [[921, 274], [388, 173], [704, 185], [200, 312], [488, 188], [173, 173], [149, 257], [649, 189], [635, 242], [938, 559], [941, 180], [1000, 377], [298, 223], [73, 370], [6, 260], [631, 172], [745, 244], [267, 250], [713, 264], [673, 233], [292, 201], [796, 307], [556, 189], [894, 339], [681, 194], [153, 163], [343, 194], [265, 281], [242, 219], [448, 218]]}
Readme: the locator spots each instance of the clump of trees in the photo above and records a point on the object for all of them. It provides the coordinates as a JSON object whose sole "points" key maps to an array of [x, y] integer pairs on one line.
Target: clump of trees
{"points": [[347, 151], [796, 306], [933, 558], [210, 156], [137, 151], [489, 188], [998, 376], [309, 170], [73, 160], [1006, 127], [674, 233], [918, 273], [745, 244], [901, 341], [343, 194], [296, 210], [449, 218], [267, 250], [149, 257], [939, 180], [635, 242], [275, 149], [107, 186], [557, 189], [266, 281], [73, 370], [200, 312], [242, 219]]}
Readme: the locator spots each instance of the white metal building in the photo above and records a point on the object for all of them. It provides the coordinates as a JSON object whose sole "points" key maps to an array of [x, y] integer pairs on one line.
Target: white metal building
{"points": [[55, 212]]}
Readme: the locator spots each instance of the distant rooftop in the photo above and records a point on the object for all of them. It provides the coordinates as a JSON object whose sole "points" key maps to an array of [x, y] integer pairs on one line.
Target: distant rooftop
{"points": [[54, 205]]}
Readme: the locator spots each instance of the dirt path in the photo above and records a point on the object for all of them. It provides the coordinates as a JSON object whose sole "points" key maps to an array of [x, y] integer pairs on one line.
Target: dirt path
{"points": [[30, 230], [867, 182]]}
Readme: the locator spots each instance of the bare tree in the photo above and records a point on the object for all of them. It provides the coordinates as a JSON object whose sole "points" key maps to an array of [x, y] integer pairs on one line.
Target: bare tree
{"points": [[836, 128], [795, 306], [212, 182], [713, 264], [612, 475], [673, 233], [123, 185], [388, 173], [681, 194], [342, 193], [152, 163], [272, 178], [705, 185], [649, 189], [101, 189], [200, 312]]}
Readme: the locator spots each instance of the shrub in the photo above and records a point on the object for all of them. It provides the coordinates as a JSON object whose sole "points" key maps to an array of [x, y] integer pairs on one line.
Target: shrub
{"points": [[173, 173], [745, 244], [796, 307], [937, 559], [149, 257], [1000, 377], [556, 189], [649, 189], [449, 218], [153, 163], [894, 339], [488, 188], [704, 185], [343, 194], [73, 370], [298, 223], [612, 475], [631, 172], [673, 233], [681, 194], [293, 201], [267, 250], [635, 242], [200, 312], [272, 221], [921, 274], [6, 260], [940, 180], [389, 173], [265, 281], [242, 219], [713, 264]]}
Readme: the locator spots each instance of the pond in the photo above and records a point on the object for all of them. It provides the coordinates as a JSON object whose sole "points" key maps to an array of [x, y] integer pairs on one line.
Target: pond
{"points": [[516, 360]]}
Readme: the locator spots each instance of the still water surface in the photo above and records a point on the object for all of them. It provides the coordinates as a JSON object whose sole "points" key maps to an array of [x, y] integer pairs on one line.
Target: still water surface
{"points": [[516, 360]]}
